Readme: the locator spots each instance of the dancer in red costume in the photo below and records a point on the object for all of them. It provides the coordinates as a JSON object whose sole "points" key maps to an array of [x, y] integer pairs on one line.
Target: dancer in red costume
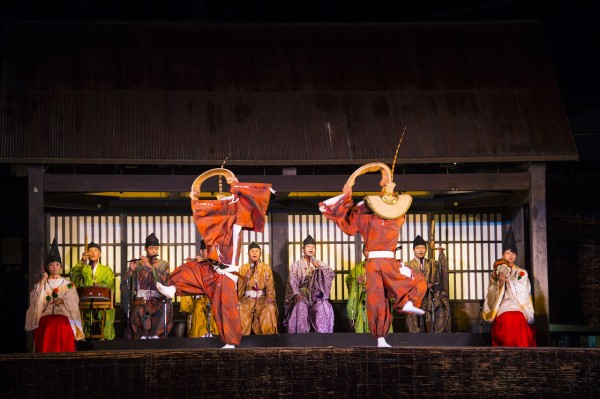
{"points": [[220, 222], [379, 220]]}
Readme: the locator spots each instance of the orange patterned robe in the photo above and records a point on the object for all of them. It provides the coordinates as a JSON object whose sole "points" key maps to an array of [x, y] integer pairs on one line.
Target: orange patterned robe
{"points": [[220, 223], [384, 279]]}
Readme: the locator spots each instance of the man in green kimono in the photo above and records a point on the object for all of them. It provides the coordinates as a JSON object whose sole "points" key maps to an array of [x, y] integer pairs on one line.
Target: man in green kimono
{"points": [[88, 271], [356, 281]]}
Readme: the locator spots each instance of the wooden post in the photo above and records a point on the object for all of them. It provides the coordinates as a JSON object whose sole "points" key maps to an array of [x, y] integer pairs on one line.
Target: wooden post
{"points": [[37, 242], [36, 231], [279, 257], [539, 249]]}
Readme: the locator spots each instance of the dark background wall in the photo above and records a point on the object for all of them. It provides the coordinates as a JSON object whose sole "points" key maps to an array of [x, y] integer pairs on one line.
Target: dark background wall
{"points": [[13, 259], [574, 243]]}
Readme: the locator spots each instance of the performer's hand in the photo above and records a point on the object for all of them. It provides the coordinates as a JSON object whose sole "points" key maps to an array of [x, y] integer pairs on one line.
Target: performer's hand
{"points": [[501, 277], [360, 279], [299, 298], [84, 257], [58, 301], [146, 261], [43, 277]]}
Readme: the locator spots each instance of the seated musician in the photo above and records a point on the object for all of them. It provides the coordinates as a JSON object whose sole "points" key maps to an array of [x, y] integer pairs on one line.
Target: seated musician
{"points": [[151, 314], [256, 291], [89, 271], [201, 322]]}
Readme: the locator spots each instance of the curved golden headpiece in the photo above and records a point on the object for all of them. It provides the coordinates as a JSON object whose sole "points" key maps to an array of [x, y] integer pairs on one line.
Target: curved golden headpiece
{"points": [[386, 176], [387, 205], [197, 184]]}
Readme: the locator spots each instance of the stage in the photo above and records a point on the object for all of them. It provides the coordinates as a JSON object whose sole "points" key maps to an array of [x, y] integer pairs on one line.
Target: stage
{"points": [[305, 366], [310, 340]]}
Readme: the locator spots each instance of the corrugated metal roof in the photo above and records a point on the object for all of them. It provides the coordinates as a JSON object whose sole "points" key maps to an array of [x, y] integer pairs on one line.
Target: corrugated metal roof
{"points": [[279, 94]]}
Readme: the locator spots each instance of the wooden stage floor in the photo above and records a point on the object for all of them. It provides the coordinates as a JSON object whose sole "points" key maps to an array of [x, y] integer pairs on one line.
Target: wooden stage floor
{"points": [[304, 366], [312, 340]]}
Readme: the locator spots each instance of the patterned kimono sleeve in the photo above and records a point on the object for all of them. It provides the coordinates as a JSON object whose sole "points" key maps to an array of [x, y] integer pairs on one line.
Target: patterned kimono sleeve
{"points": [[36, 306], [442, 273], [340, 210], [241, 284], [490, 305], [351, 278], [81, 274], [214, 220], [523, 294], [294, 281], [164, 271], [71, 303], [322, 279], [252, 206], [105, 277], [269, 283], [353, 290]]}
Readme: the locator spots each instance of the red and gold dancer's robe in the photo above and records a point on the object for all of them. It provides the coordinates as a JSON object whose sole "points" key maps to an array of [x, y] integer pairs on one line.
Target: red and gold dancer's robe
{"points": [[384, 279], [220, 223]]}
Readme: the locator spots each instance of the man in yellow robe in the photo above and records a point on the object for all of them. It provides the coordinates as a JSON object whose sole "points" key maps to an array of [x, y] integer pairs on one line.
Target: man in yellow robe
{"points": [[256, 291], [200, 322]]}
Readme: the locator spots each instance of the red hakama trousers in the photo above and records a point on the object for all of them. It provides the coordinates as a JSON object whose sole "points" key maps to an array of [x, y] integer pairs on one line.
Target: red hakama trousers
{"points": [[54, 334], [511, 329]]}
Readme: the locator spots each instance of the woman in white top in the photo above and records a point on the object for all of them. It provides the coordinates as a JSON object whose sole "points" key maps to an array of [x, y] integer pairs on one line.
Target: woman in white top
{"points": [[508, 303], [53, 312]]}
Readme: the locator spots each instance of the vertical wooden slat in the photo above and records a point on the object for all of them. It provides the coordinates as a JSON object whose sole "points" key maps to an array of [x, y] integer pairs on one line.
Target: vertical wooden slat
{"points": [[36, 236], [539, 248]]}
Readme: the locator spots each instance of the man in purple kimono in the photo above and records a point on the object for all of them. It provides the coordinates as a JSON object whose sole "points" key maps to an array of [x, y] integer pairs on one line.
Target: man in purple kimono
{"points": [[307, 307]]}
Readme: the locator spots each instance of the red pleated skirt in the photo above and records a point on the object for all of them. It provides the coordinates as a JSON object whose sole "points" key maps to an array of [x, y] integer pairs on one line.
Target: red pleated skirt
{"points": [[54, 334], [511, 329]]}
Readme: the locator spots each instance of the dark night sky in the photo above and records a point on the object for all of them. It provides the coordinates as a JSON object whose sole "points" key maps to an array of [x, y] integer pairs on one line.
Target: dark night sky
{"points": [[571, 30]]}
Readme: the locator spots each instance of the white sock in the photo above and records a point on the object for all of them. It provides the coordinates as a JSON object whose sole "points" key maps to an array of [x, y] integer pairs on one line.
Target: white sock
{"points": [[405, 271], [168, 291], [228, 346], [382, 343], [410, 308]]}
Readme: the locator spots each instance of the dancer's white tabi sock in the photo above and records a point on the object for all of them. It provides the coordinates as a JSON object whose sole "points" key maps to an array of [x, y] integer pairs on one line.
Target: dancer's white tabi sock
{"points": [[168, 291], [410, 308]]}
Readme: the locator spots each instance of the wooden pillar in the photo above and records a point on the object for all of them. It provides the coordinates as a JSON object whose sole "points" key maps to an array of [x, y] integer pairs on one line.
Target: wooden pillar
{"points": [[517, 221], [539, 248], [279, 257], [37, 242]]}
